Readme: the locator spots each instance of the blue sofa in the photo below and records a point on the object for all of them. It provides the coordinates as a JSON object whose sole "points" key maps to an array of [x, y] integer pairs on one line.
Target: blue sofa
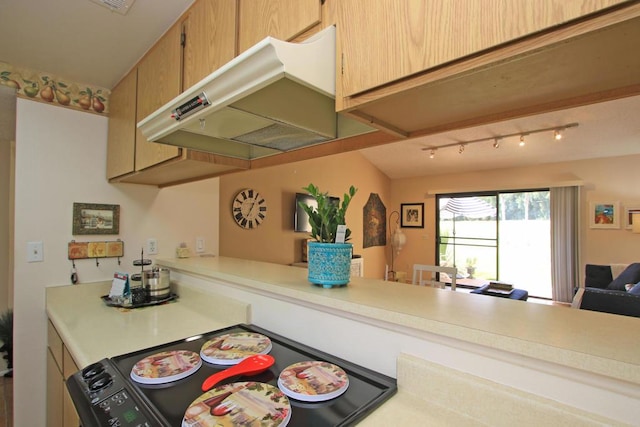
{"points": [[605, 294]]}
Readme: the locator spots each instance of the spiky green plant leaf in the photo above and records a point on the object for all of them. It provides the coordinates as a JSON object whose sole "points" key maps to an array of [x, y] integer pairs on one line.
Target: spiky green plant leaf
{"points": [[325, 218]]}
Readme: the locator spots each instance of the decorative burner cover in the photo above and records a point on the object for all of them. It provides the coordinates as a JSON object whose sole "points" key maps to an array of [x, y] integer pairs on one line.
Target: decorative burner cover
{"points": [[239, 404], [313, 381], [230, 349], [166, 367]]}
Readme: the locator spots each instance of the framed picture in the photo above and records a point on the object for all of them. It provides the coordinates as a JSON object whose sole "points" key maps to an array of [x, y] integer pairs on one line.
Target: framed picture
{"points": [[412, 215], [91, 218], [604, 215], [628, 215]]}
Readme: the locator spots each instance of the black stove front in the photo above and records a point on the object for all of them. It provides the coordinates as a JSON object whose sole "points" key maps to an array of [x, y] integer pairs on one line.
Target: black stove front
{"points": [[104, 394]]}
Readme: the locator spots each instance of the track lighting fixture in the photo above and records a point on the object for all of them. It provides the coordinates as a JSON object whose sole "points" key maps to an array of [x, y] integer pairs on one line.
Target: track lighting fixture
{"points": [[497, 139]]}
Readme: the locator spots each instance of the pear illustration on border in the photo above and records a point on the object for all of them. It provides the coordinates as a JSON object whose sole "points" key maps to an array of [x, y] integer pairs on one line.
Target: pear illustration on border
{"points": [[98, 106], [5, 80], [32, 89], [47, 93], [61, 96]]}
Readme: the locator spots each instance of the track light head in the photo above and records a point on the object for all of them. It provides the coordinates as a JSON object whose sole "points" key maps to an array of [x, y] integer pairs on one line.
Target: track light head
{"points": [[496, 143], [432, 154], [557, 134], [461, 149], [522, 140]]}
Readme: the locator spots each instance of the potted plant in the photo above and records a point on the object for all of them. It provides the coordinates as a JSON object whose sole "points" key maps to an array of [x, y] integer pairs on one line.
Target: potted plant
{"points": [[6, 337], [329, 262], [471, 266]]}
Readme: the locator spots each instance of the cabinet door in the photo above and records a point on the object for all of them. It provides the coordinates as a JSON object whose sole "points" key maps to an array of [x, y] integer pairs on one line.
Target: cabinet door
{"points": [[210, 38], [159, 81], [54, 342], [385, 40], [55, 387], [282, 19], [121, 140], [69, 413]]}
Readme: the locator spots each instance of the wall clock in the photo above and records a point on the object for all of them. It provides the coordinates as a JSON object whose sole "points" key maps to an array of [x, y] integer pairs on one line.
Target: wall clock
{"points": [[249, 208]]}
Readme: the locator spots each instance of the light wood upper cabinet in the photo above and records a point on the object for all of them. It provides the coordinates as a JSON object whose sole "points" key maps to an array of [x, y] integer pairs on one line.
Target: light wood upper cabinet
{"points": [[386, 40], [159, 81], [210, 38], [122, 127], [282, 19], [158, 78]]}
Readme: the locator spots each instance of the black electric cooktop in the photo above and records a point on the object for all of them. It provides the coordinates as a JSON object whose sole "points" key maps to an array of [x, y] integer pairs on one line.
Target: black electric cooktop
{"points": [[132, 403]]}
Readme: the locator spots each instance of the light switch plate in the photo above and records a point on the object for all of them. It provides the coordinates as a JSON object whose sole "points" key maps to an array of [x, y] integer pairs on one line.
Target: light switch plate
{"points": [[199, 244], [35, 252]]}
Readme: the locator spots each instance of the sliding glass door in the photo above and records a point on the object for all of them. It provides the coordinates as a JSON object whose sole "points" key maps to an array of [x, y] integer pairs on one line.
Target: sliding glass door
{"points": [[501, 236]]}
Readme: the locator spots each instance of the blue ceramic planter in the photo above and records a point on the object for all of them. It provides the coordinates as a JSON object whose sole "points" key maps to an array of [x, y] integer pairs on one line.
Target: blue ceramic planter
{"points": [[329, 263]]}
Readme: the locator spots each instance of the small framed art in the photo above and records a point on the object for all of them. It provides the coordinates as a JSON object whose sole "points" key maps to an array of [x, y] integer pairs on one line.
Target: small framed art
{"points": [[412, 215], [91, 218], [629, 212], [604, 215]]}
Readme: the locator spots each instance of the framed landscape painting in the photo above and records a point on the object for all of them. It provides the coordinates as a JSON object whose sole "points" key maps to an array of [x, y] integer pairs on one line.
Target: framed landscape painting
{"points": [[604, 215], [91, 218]]}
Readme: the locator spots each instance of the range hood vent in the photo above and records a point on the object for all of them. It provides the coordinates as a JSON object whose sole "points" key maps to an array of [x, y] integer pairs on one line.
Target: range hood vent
{"points": [[273, 98]]}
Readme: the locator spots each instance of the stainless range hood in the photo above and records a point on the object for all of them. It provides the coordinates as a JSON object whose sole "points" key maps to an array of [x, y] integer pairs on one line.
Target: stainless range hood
{"points": [[274, 97]]}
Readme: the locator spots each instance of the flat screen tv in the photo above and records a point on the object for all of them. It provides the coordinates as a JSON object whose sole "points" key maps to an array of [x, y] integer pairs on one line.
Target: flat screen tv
{"points": [[301, 219]]}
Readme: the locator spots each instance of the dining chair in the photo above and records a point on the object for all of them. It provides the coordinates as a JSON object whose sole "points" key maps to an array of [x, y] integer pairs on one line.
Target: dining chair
{"points": [[434, 275]]}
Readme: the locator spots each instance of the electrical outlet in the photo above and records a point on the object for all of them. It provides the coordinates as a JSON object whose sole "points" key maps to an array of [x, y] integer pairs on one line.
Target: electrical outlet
{"points": [[199, 244], [35, 252], [152, 246]]}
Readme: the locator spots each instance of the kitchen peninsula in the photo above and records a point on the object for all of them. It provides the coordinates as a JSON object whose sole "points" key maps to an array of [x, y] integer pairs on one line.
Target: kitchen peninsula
{"points": [[588, 361], [449, 350]]}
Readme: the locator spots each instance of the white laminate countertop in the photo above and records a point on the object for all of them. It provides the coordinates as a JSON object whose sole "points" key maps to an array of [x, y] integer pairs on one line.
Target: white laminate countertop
{"points": [[91, 330], [599, 343]]}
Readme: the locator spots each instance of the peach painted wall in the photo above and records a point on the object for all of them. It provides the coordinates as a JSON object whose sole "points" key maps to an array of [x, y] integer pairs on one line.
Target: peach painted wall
{"points": [[607, 179], [274, 240]]}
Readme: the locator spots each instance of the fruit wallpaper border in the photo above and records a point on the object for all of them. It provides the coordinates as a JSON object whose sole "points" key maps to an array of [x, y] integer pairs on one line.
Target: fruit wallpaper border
{"points": [[46, 87]]}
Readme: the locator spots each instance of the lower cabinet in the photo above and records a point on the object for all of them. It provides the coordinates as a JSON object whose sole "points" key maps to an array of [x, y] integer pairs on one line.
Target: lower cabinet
{"points": [[60, 365], [55, 388]]}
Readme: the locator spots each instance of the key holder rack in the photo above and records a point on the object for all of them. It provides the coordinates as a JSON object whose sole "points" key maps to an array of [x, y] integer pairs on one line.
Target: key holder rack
{"points": [[97, 250]]}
